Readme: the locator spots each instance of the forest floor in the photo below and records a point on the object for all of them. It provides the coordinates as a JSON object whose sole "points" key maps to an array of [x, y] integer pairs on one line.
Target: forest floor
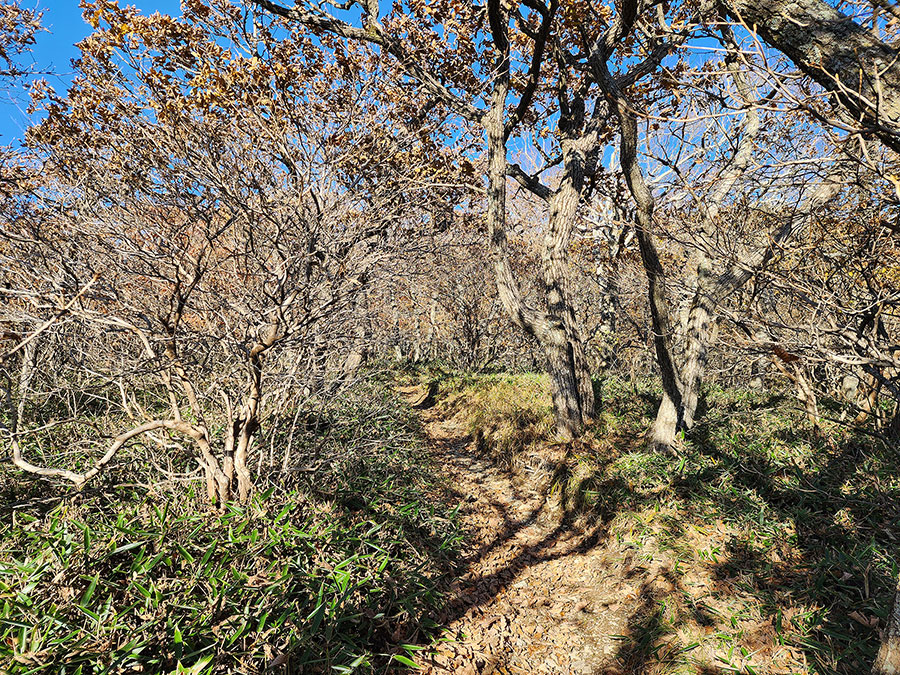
{"points": [[759, 547], [448, 531], [331, 570], [538, 594]]}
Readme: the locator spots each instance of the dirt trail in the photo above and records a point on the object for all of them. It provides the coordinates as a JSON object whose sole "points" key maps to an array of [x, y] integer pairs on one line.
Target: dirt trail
{"points": [[539, 594]]}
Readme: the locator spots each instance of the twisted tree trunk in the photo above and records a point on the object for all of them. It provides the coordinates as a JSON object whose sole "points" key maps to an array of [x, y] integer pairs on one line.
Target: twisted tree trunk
{"points": [[703, 305], [557, 330], [563, 207], [668, 418]]}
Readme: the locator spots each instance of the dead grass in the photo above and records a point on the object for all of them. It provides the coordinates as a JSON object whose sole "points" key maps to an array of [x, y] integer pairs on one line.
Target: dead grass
{"points": [[507, 415]]}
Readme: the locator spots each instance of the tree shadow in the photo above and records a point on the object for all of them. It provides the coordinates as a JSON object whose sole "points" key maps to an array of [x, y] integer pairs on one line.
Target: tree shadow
{"points": [[563, 534], [807, 522], [312, 576], [841, 517], [810, 527]]}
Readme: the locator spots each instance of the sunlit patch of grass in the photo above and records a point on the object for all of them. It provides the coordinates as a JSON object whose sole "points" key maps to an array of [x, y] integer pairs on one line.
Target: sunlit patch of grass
{"points": [[784, 537], [506, 414]]}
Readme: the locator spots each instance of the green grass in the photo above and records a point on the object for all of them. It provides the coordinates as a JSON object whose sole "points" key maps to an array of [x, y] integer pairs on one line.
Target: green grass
{"points": [[793, 533], [334, 570], [774, 546]]}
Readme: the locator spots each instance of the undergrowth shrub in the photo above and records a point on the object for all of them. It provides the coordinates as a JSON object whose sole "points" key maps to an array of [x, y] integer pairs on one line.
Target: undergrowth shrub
{"points": [[332, 568]]}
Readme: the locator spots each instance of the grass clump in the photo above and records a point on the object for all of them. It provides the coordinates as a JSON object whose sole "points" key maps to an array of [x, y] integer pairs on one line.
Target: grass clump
{"points": [[331, 570], [506, 414], [778, 540]]}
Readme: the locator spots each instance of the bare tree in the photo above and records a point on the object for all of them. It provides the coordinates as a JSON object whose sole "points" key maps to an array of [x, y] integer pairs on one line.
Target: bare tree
{"points": [[201, 254]]}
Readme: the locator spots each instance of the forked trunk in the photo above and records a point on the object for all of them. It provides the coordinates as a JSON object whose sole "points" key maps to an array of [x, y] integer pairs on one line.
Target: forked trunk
{"points": [[668, 418], [566, 384], [557, 331], [218, 482]]}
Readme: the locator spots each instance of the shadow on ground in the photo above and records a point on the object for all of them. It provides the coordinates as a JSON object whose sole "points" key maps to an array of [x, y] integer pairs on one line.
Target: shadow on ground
{"points": [[762, 546]]}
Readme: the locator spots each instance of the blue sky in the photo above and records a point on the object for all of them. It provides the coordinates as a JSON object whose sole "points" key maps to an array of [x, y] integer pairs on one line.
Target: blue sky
{"points": [[54, 51]]}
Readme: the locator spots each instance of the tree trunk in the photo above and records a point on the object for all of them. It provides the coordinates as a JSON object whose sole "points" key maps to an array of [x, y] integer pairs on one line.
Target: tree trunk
{"points": [[888, 660], [563, 207], [867, 406], [558, 335], [668, 417], [662, 432], [432, 326], [608, 305], [564, 385], [564, 358], [703, 305], [713, 288], [805, 393], [861, 71], [218, 484], [359, 346], [696, 354], [248, 424]]}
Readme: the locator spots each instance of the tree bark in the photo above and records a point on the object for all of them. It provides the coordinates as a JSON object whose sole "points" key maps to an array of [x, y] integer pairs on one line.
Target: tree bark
{"points": [[551, 334], [563, 208], [557, 330], [668, 419], [703, 304], [861, 71], [888, 660]]}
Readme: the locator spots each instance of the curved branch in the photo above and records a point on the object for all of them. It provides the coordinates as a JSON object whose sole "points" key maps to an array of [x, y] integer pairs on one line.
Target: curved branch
{"points": [[861, 71], [56, 317], [534, 70], [79, 479]]}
